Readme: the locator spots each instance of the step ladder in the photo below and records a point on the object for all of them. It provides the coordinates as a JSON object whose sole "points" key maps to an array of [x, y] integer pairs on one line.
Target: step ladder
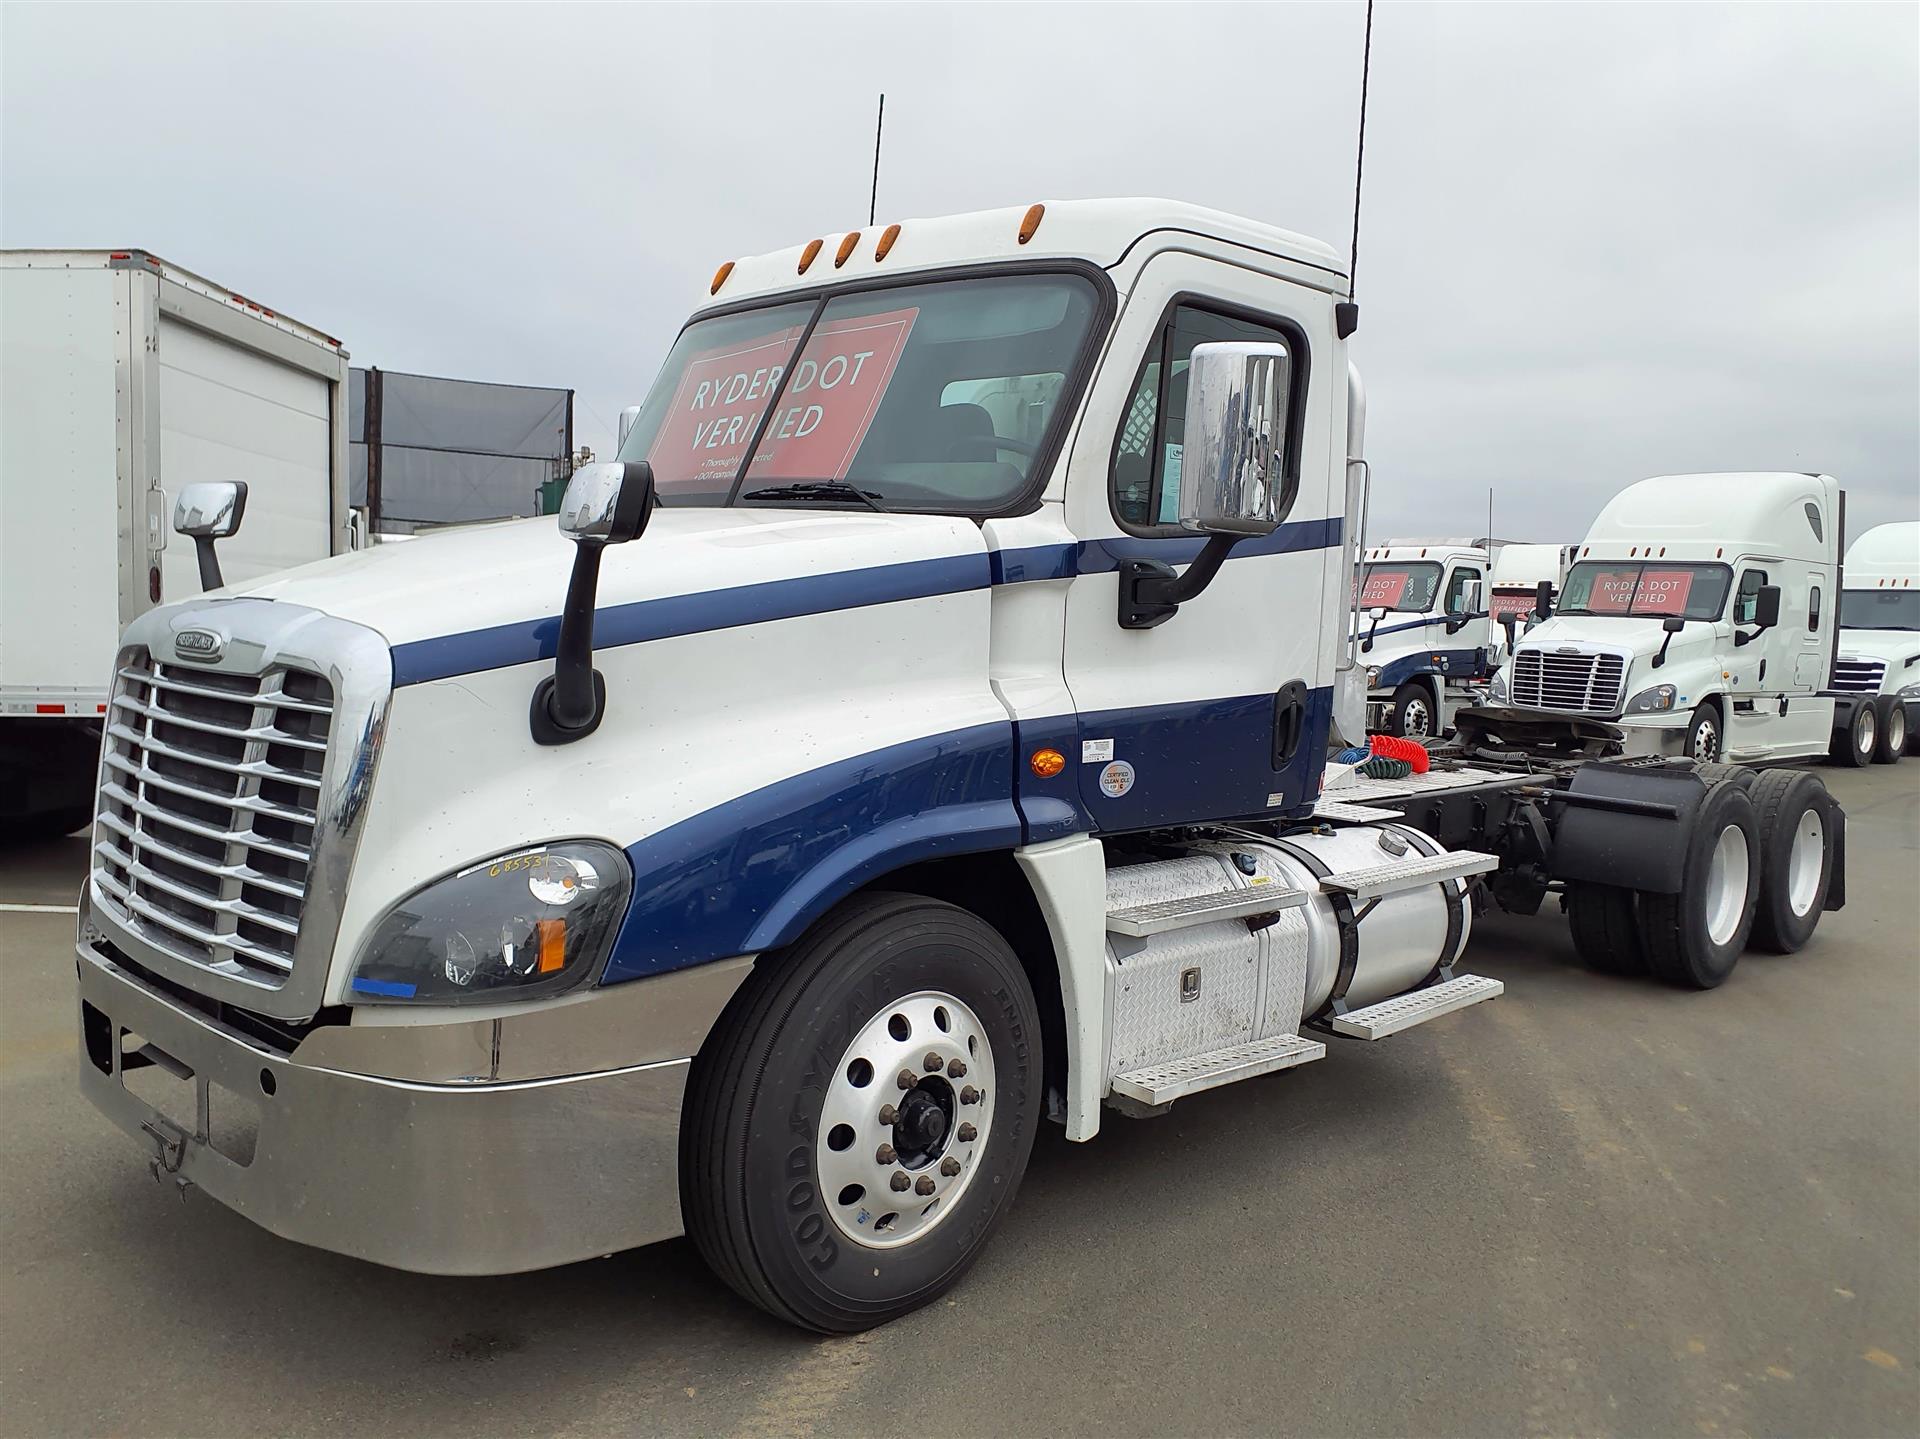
{"points": [[1404, 1011], [1414, 872], [1158, 1084], [1144, 920]]}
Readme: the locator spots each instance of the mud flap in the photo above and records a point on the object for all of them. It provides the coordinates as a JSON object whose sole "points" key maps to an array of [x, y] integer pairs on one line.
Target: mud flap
{"points": [[1627, 826]]}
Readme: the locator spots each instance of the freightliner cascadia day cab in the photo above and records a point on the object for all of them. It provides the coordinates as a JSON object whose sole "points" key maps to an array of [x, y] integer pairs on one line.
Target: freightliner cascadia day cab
{"points": [[1697, 618], [124, 379], [1876, 678], [1516, 599], [917, 733], [1425, 637]]}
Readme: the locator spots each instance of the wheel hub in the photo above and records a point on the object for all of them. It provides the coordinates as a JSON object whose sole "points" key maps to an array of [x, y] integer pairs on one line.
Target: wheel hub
{"points": [[926, 1118]]}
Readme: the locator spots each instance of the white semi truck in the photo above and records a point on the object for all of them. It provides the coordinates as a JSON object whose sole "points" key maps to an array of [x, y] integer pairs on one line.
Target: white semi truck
{"points": [[1876, 678], [124, 379], [1425, 635], [1526, 583], [862, 769], [1697, 619]]}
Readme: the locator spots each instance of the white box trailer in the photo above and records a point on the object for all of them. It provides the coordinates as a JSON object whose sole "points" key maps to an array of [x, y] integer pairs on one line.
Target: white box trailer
{"points": [[122, 379]]}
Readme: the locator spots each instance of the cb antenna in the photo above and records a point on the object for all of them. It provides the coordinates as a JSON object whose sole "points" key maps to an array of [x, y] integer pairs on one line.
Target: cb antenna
{"points": [[873, 201], [1347, 313]]}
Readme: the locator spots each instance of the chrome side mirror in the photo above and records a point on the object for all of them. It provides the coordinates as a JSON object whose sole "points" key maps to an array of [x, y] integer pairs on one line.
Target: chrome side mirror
{"points": [[1233, 464], [605, 504], [1233, 471], [209, 511]]}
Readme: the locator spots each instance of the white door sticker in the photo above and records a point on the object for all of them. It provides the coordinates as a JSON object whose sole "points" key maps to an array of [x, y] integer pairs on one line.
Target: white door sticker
{"points": [[1116, 779], [1096, 751]]}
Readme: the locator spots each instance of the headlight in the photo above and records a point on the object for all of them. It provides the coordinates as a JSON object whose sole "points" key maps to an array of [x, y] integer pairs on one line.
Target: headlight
{"points": [[1910, 692], [1373, 676], [522, 926], [1497, 691], [1660, 697]]}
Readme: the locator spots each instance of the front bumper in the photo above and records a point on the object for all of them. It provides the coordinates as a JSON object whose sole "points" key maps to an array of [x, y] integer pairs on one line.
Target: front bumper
{"points": [[441, 1178]]}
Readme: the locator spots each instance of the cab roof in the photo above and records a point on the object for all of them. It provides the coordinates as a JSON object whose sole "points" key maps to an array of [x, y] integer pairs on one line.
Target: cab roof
{"points": [[1719, 517], [1097, 231], [1885, 554]]}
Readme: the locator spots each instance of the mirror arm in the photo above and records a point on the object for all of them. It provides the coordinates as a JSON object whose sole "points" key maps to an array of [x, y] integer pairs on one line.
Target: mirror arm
{"points": [[1660, 655], [1150, 592], [568, 704], [209, 562]]}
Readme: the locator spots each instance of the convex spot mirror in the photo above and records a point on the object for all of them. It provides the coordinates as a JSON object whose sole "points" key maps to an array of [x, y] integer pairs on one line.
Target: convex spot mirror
{"points": [[210, 510], [1233, 477], [608, 503]]}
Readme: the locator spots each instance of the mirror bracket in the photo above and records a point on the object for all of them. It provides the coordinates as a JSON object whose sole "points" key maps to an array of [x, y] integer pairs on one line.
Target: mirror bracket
{"points": [[1150, 591]]}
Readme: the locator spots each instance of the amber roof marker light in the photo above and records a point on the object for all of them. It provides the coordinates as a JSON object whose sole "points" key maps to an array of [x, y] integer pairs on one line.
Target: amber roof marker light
{"points": [[720, 277], [847, 247], [1031, 222], [807, 255], [887, 237]]}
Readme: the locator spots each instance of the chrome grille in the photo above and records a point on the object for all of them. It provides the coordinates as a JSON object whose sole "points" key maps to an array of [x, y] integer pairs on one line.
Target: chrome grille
{"points": [[1576, 684], [209, 795], [1860, 676]]}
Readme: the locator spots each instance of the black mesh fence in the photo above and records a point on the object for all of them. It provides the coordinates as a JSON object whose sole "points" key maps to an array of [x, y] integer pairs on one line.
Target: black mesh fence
{"points": [[428, 451]]}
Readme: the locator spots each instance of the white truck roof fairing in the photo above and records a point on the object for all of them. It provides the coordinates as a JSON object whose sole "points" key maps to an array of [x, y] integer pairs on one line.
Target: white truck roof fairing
{"points": [[1524, 566], [1887, 556], [1718, 517], [1440, 550], [1099, 232]]}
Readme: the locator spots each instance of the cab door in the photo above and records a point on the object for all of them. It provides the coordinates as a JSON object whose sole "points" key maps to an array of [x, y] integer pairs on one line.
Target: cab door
{"points": [[1213, 712]]}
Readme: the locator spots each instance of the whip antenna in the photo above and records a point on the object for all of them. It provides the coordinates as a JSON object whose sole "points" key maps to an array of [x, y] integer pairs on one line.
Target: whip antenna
{"points": [[1347, 313], [873, 201]]}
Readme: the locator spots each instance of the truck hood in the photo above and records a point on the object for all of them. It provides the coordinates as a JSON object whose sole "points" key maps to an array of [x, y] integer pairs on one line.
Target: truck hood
{"points": [[1890, 647], [1634, 638], [463, 580]]}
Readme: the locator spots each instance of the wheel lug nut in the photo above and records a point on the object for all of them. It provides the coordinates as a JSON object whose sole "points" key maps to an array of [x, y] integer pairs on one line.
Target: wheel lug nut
{"points": [[968, 1134], [932, 1062], [885, 1155], [949, 1166], [905, 1079], [923, 1185], [900, 1182], [889, 1115], [957, 1069], [969, 1095]]}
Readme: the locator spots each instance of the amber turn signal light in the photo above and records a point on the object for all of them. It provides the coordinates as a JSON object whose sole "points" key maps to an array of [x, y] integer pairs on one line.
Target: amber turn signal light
{"points": [[1047, 763]]}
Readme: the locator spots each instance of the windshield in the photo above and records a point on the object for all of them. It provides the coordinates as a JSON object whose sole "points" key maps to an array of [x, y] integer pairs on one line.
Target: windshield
{"points": [[1880, 609], [1614, 587], [934, 396], [1399, 586]]}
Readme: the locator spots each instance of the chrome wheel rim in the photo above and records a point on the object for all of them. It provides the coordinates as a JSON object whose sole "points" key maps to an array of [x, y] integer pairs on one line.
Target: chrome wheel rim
{"points": [[1706, 740], [912, 1100], [1897, 729], [1415, 719], [1869, 728], [1806, 862], [1727, 884]]}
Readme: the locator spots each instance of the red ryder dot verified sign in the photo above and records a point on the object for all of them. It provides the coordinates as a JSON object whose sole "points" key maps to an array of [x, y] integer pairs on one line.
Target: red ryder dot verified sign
{"points": [[824, 412], [1383, 589], [1659, 592]]}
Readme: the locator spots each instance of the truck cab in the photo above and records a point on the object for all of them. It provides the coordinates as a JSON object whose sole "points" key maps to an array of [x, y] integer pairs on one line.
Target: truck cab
{"points": [[1876, 676], [1697, 619], [1425, 636], [1515, 600]]}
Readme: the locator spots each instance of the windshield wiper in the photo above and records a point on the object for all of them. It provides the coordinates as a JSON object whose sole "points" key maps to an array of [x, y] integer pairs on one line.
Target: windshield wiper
{"points": [[819, 490]]}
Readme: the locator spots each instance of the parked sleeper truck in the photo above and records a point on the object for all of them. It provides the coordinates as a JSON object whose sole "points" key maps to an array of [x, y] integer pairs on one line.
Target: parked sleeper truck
{"points": [[1697, 619], [898, 770], [1876, 678], [1425, 636], [123, 379], [1515, 600]]}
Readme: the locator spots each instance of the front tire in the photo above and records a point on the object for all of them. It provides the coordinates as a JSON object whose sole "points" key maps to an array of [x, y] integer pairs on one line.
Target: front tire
{"points": [[1413, 712], [1853, 746], [1694, 938], [1892, 742], [1704, 738], [783, 1119]]}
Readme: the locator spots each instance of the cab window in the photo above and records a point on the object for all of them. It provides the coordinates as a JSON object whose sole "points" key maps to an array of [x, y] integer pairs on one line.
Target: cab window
{"points": [[1457, 584], [1146, 458], [1746, 602]]}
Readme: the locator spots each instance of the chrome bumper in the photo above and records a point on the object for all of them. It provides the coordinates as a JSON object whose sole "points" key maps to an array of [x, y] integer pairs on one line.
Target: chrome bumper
{"points": [[467, 1178]]}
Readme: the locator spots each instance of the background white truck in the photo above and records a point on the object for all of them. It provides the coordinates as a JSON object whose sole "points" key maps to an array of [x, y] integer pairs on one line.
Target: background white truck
{"points": [[1697, 619], [123, 379], [859, 770], [1425, 637], [1514, 594], [1876, 677]]}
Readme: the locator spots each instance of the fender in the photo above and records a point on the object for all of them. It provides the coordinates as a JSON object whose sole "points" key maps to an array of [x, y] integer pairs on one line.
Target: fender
{"points": [[1441, 664]]}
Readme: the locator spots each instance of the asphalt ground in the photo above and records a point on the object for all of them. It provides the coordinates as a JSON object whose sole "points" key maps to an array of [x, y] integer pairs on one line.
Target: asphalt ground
{"points": [[1593, 1206]]}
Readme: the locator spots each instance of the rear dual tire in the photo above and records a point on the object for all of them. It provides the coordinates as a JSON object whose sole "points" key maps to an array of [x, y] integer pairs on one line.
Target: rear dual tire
{"points": [[1894, 739], [1798, 824], [1854, 746], [1694, 938], [783, 1104]]}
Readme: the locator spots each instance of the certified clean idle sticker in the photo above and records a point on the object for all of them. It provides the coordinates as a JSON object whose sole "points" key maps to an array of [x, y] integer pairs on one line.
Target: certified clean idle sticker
{"points": [[1116, 779], [1096, 751]]}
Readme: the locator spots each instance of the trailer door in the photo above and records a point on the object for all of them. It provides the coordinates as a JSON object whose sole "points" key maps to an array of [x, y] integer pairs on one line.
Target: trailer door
{"points": [[231, 413]]}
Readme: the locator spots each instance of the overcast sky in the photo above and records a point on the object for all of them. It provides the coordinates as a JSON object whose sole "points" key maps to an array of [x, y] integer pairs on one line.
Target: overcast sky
{"points": [[1599, 242]]}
